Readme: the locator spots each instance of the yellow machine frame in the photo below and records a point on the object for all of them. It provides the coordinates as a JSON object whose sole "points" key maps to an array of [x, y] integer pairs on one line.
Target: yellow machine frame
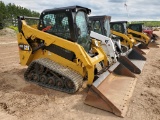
{"points": [[144, 38], [83, 63], [127, 40]]}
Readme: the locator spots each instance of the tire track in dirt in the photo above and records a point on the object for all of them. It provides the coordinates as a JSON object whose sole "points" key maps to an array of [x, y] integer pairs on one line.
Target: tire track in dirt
{"points": [[9, 53], [151, 93], [7, 43]]}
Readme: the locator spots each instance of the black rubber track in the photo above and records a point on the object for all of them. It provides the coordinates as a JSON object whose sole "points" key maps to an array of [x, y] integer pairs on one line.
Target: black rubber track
{"points": [[56, 71]]}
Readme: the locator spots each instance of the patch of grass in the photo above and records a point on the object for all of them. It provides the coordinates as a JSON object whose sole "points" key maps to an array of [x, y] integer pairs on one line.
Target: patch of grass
{"points": [[14, 28], [149, 23]]}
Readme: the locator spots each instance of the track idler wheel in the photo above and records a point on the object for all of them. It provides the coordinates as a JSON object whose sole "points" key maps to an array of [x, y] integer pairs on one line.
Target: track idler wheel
{"points": [[30, 75], [35, 77], [44, 79], [59, 83], [40, 69], [69, 84], [52, 81]]}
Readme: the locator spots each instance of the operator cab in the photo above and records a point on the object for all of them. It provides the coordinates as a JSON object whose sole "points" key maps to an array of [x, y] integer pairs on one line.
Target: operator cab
{"points": [[119, 26], [100, 24], [137, 27], [70, 23]]}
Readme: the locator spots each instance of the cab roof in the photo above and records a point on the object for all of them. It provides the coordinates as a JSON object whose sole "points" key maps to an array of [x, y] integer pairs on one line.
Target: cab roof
{"points": [[100, 17], [72, 8], [120, 22]]}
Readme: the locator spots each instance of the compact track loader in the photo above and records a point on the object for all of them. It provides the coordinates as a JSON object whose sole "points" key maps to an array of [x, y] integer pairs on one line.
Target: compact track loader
{"points": [[119, 28], [60, 55], [132, 59], [138, 32], [138, 29]]}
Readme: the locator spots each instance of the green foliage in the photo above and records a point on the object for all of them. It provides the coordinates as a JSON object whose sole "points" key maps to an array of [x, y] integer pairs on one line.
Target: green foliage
{"points": [[14, 28], [2, 11], [1, 26], [9, 13]]}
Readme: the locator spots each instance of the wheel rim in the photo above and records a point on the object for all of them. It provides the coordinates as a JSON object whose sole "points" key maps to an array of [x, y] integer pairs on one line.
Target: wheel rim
{"points": [[60, 83], [43, 79], [36, 77], [51, 81], [69, 84], [30, 75]]}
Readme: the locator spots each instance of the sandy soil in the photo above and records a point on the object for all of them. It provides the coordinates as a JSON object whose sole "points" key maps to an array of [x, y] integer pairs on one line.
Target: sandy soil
{"points": [[20, 100]]}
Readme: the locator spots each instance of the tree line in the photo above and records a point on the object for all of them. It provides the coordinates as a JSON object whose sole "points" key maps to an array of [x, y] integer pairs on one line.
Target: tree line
{"points": [[149, 23], [9, 13]]}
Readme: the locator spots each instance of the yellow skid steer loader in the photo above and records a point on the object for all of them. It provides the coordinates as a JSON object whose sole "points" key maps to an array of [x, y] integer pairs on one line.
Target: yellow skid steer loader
{"points": [[138, 32], [119, 28], [60, 55]]}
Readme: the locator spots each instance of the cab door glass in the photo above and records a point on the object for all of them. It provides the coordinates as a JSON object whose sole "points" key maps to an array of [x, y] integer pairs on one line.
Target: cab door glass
{"points": [[82, 29], [107, 27], [97, 27], [59, 25]]}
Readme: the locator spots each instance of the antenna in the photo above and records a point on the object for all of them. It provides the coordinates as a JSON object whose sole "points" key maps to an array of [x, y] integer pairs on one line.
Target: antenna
{"points": [[126, 6]]}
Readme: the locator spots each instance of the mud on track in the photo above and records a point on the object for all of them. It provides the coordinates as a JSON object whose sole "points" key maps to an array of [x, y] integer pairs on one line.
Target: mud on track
{"points": [[20, 100]]}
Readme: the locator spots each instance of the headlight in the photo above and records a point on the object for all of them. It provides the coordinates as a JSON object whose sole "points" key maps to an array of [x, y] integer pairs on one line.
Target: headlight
{"points": [[96, 43]]}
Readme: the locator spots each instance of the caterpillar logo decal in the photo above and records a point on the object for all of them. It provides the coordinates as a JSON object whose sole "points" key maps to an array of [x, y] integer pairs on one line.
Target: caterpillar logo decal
{"points": [[25, 47]]}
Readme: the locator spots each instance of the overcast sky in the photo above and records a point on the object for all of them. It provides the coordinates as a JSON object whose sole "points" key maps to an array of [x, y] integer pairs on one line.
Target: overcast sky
{"points": [[133, 10]]}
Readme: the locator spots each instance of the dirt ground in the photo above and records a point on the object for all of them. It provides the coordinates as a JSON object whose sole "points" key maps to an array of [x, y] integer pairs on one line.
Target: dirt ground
{"points": [[20, 100]]}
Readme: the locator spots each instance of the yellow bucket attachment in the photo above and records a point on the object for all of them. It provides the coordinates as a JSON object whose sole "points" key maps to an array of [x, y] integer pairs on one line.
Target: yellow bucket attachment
{"points": [[112, 90]]}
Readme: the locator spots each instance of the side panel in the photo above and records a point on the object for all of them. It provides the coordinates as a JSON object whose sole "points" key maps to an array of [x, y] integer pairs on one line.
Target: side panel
{"points": [[25, 50], [126, 40], [47, 54], [139, 36], [61, 52]]}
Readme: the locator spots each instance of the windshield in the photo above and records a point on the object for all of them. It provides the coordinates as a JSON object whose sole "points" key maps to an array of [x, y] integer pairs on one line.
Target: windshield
{"points": [[107, 28], [83, 37], [57, 24], [117, 27], [96, 27]]}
